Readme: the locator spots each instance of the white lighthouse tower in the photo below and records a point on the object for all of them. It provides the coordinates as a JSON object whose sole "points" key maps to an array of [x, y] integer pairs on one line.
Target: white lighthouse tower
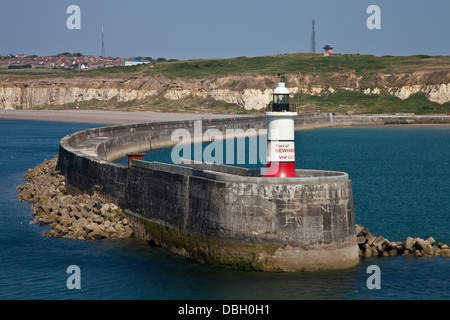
{"points": [[280, 136]]}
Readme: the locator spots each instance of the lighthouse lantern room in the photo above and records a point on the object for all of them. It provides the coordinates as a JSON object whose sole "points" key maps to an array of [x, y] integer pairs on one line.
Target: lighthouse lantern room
{"points": [[281, 98]]}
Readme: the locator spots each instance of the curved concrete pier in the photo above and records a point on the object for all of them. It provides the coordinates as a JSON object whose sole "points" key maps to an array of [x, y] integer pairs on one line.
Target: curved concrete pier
{"points": [[216, 214]]}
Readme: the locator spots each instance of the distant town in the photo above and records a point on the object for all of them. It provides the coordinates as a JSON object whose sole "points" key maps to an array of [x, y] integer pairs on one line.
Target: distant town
{"points": [[69, 61]]}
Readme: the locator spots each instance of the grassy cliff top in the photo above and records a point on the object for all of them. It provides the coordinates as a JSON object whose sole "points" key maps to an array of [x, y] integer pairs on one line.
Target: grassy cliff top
{"points": [[288, 63], [372, 72], [266, 65], [301, 63]]}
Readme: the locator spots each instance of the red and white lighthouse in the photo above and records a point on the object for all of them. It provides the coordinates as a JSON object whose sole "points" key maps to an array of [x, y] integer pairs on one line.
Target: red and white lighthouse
{"points": [[281, 136]]}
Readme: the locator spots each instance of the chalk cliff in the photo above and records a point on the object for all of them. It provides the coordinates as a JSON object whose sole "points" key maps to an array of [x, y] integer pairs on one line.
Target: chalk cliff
{"points": [[249, 91]]}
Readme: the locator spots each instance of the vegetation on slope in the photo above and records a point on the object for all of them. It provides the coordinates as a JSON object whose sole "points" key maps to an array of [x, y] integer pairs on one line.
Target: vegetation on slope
{"points": [[340, 101], [281, 64], [343, 101]]}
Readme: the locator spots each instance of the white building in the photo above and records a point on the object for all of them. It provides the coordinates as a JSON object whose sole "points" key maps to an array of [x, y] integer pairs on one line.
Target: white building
{"points": [[133, 63]]}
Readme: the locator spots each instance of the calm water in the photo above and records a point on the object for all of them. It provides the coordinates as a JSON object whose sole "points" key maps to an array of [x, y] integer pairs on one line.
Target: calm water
{"points": [[401, 188]]}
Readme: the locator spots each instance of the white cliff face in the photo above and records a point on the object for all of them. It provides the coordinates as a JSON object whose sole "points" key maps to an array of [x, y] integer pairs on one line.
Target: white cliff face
{"points": [[406, 91], [28, 98], [248, 91], [230, 89], [439, 93], [30, 94], [372, 91], [248, 98], [9, 99]]}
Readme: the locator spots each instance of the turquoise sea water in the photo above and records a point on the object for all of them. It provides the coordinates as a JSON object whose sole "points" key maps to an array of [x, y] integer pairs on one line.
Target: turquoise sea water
{"points": [[401, 188]]}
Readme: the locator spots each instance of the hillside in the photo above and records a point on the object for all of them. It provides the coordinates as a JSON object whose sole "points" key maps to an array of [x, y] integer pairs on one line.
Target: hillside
{"points": [[340, 83]]}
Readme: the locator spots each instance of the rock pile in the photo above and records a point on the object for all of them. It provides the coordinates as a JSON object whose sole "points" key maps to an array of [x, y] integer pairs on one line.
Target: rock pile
{"points": [[374, 246], [80, 217]]}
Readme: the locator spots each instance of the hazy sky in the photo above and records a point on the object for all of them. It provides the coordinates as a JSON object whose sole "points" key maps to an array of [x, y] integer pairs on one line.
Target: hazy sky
{"points": [[190, 29]]}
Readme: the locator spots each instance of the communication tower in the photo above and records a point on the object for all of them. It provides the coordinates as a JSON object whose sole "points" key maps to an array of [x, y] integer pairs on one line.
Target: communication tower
{"points": [[103, 43], [313, 37]]}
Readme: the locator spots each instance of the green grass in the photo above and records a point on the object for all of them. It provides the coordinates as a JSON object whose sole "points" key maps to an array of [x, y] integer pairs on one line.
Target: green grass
{"points": [[365, 67], [342, 101], [271, 65], [305, 63], [115, 70], [298, 63], [261, 65]]}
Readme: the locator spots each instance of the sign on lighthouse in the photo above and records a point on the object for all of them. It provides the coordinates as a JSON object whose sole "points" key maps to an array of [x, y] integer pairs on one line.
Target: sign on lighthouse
{"points": [[281, 136]]}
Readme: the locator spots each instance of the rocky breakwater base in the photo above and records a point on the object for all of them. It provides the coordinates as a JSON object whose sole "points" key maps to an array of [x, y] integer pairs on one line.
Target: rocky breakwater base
{"points": [[89, 216], [377, 246], [78, 217]]}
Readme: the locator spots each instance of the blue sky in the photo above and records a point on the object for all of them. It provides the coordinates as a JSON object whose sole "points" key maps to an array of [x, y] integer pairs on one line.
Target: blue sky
{"points": [[191, 29]]}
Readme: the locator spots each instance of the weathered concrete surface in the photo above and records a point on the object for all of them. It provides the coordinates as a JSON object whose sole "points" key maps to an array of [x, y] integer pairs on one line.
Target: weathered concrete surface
{"points": [[286, 223], [217, 214]]}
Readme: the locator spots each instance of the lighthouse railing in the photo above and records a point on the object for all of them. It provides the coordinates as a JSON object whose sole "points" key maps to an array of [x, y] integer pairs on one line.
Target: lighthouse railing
{"points": [[293, 107]]}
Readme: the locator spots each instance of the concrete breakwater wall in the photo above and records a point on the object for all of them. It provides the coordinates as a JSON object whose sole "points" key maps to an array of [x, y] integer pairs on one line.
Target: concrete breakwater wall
{"points": [[241, 220], [217, 214]]}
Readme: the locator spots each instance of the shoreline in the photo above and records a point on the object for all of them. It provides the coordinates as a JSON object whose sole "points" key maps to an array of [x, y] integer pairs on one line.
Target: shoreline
{"points": [[104, 117], [391, 125], [107, 117]]}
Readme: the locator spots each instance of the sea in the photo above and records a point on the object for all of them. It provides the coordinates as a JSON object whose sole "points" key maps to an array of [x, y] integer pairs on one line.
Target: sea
{"points": [[401, 188]]}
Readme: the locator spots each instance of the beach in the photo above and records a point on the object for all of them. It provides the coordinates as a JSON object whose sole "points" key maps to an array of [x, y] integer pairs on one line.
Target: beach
{"points": [[104, 117]]}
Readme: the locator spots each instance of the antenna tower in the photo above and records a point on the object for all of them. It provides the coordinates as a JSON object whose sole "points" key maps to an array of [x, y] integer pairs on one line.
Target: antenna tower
{"points": [[313, 37], [103, 43]]}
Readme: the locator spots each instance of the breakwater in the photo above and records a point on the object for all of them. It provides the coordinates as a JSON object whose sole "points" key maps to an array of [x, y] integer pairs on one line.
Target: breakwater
{"points": [[221, 215], [371, 245], [72, 216], [91, 217]]}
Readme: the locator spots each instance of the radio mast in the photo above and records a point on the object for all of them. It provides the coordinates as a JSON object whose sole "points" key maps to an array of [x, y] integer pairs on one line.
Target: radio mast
{"points": [[313, 37], [103, 43]]}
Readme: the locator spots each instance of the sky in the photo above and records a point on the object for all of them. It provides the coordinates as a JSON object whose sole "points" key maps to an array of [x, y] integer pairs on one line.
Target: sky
{"points": [[204, 29]]}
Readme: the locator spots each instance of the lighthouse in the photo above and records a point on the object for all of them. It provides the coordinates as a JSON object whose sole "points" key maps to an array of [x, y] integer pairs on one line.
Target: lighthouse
{"points": [[280, 136]]}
